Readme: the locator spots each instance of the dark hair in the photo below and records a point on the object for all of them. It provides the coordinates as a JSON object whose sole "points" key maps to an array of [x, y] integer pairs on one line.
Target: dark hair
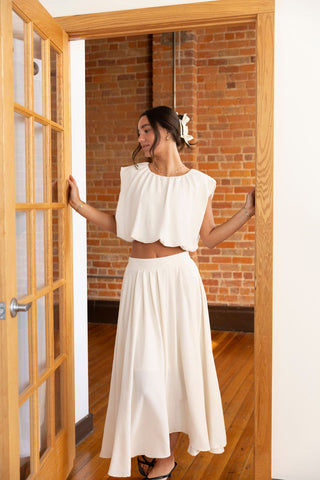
{"points": [[167, 118]]}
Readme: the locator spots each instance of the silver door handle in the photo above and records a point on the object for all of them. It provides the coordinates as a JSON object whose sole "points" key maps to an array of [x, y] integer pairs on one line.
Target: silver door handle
{"points": [[16, 307]]}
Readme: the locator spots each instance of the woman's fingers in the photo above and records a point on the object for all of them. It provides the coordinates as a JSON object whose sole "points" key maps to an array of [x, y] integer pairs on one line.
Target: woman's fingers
{"points": [[73, 193], [251, 195], [71, 180], [250, 201], [72, 184]]}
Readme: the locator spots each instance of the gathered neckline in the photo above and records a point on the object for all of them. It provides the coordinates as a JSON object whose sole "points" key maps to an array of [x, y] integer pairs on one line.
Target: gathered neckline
{"points": [[167, 176]]}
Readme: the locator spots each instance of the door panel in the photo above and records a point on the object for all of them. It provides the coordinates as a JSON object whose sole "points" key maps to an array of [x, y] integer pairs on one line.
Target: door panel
{"points": [[37, 386]]}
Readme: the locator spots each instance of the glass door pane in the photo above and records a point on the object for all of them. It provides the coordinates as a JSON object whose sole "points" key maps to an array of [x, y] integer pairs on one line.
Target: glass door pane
{"points": [[19, 54], [58, 319], [20, 124], [38, 73], [23, 349], [24, 437], [43, 397], [42, 331], [57, 244], [39, 163], [41, 248], [56, 173], [59, 398], [55, 76], [22, 238]]}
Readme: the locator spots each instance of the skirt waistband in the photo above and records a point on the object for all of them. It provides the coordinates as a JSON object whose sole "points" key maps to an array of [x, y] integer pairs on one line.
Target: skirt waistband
{"points": [[158, 262]]}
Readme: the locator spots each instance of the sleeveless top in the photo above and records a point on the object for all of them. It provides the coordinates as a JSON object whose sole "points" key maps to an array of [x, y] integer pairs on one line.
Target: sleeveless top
{"points": [[153, 207]]}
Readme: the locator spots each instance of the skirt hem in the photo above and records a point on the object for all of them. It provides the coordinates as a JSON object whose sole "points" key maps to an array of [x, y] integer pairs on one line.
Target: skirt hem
{"points": [[191, 451]]}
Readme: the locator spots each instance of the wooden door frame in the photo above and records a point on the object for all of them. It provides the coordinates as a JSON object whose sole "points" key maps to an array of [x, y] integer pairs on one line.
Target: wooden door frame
{"points": [[210, 14]]}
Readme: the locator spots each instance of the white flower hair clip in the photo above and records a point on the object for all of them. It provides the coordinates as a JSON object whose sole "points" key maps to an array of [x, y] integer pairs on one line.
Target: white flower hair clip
{"points": [[184, 129]]}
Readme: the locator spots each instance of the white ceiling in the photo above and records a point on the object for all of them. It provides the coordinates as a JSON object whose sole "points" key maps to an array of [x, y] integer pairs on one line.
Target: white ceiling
{"points": [[59, 8]]}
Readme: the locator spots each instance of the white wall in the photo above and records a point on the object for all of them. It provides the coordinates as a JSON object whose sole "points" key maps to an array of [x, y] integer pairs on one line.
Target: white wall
{"points": [[59, 8], [296, 362], [296, 387], [79, 229]]}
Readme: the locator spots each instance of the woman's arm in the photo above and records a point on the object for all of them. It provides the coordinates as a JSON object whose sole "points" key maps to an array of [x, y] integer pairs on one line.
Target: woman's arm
{"points": [[212, 234], [104, 220]]}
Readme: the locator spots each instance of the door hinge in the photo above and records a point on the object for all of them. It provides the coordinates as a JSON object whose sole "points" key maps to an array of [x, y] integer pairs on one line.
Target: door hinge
{"points": [[2, 311]]}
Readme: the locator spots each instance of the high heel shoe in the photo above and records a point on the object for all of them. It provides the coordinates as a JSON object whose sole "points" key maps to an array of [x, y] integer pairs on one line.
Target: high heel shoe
{"points": [[168, 475], [144, 461]]}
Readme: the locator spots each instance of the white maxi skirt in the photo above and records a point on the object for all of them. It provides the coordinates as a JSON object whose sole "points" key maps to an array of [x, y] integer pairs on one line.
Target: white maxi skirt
{"points": [[163, 374]]}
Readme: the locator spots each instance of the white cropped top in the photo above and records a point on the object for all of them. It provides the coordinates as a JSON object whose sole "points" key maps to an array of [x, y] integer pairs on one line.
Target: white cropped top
{"points": [[153, 207]]}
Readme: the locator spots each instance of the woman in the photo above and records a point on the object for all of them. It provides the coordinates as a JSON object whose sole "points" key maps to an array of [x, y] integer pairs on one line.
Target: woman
{"points": [[163, 375]]}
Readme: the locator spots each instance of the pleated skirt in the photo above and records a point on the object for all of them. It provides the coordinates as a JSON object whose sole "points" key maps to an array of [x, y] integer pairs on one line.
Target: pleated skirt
{"points": [[163, 374]]}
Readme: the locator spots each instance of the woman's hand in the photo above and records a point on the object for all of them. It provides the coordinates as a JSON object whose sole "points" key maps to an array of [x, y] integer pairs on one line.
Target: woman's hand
{"points": [[212, 234], [105, 220], [73, 194], [250, 202]]}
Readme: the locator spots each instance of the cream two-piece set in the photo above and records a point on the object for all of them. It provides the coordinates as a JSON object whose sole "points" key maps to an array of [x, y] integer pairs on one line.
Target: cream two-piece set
{"points": [[163, 374]]}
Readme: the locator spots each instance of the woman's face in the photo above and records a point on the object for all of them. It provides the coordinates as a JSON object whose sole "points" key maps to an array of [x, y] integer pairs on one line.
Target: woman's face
{"points": [[146, 136]]}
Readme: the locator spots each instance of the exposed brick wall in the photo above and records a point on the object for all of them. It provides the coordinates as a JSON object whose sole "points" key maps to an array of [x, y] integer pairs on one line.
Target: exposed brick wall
{"points": [[226, 133], [216, 87], [118, 88]]}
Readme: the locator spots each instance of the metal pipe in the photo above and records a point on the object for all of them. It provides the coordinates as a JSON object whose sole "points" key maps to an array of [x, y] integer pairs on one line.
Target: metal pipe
{"points": [[174, 71]]}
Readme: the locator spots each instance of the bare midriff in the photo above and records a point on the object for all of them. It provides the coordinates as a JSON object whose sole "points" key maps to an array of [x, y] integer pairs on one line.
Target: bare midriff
{"points": [[153, 250]]}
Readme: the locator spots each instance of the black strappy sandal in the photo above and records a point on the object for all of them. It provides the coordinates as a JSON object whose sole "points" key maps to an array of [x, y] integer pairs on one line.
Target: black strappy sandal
{"points": [[162, 476], [144, 461]]}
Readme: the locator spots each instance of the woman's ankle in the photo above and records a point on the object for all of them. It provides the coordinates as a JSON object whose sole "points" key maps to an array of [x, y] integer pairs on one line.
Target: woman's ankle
{"points": [[166, 459]]}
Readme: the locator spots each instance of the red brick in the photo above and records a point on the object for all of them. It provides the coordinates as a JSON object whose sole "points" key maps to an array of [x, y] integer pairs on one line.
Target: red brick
{"points": [[222, 73]]}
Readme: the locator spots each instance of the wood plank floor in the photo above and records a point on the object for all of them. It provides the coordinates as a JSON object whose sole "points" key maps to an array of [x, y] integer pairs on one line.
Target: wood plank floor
{"points": [[233, 353]]}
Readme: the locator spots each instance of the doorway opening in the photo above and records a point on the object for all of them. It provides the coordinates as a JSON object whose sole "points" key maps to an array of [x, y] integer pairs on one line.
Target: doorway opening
{"points": [[214, 70], [179, 17]]}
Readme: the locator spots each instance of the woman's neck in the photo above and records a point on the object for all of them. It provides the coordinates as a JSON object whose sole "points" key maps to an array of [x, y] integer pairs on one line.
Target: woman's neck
{"points": [[168, 164]]}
